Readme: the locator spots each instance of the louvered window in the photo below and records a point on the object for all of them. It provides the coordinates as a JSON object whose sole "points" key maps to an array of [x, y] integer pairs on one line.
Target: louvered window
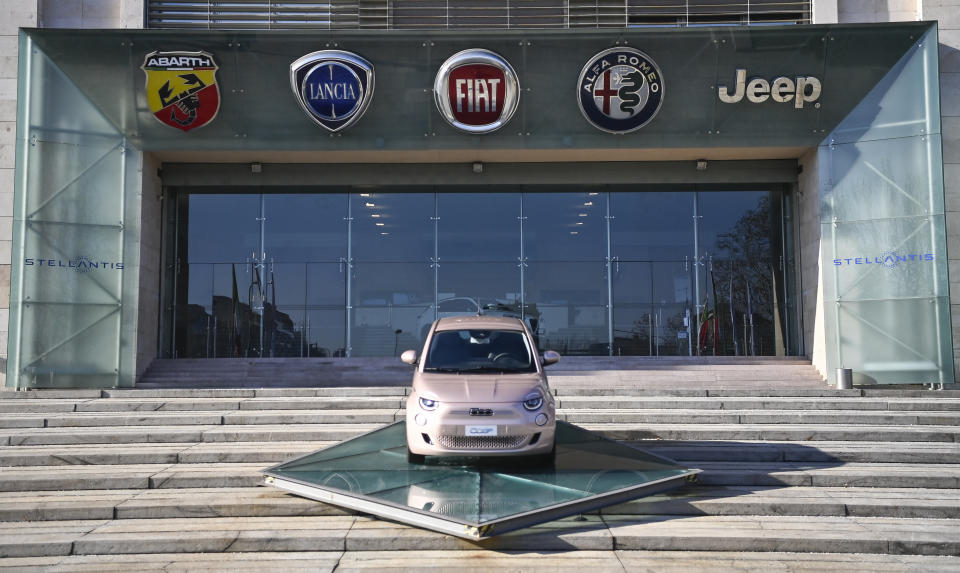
{"points": [[469, 14]]}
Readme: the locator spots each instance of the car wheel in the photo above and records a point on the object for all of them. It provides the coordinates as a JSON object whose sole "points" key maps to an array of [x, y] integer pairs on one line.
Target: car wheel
{"points": [[415, 458]]}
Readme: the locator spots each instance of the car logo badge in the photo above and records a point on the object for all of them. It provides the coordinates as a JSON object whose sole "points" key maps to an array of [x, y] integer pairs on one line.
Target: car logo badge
{"points": [[620, 90], [182, 88], [477, 91], [332, 87]]}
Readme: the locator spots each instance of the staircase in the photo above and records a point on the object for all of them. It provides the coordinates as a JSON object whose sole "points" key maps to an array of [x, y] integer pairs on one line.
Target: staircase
{"points": [[796, 476]]}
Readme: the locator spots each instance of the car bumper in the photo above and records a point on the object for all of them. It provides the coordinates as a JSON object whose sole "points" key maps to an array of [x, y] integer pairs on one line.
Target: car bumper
{"points": [[449, 433]]}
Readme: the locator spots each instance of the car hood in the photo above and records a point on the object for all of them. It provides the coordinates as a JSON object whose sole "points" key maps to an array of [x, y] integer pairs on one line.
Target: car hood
{"points": [[476, 388]]}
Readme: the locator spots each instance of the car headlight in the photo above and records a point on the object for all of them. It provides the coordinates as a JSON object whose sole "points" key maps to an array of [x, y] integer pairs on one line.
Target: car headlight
{"points": [[428, 404], [533, 402]]}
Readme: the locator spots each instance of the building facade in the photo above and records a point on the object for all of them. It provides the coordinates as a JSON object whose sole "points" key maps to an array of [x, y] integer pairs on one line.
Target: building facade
{"points": [[773, 182]]}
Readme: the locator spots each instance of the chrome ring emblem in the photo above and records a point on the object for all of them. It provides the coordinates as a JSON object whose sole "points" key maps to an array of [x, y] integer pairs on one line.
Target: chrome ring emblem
{"points": [[332, 87], [620, 90], [477, 91]]}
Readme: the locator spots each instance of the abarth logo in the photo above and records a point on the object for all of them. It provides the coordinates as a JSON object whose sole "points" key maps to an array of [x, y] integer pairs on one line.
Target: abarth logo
{"points": [[476, 91], [332, 87], [620, 90], [182, 88]]}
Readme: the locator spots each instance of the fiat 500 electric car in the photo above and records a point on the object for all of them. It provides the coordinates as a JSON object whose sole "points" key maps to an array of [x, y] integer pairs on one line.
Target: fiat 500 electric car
{"points": [[480, 390]]}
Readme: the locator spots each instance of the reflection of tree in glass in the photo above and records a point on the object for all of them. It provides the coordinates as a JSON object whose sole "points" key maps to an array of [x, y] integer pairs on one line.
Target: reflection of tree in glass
{"points": [[745, 257]]}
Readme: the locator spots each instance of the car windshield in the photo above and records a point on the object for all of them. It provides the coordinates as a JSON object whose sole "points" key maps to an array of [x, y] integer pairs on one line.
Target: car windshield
{"points": [[479, 351]]}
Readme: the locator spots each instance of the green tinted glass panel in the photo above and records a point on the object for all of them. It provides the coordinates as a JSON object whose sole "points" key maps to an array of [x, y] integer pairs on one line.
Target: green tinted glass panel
{"points": [[478, 491]]}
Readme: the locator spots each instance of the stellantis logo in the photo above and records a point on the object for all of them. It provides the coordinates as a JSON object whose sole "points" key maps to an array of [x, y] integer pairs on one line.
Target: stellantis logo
{"points": [[80, 264], [889, 259]]}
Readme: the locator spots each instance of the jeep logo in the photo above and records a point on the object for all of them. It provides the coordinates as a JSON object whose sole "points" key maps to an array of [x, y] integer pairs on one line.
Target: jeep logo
{"points": [[803, 89]]}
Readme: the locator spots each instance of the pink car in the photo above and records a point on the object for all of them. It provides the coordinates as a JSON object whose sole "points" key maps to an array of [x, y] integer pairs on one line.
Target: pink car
{"points": [[480, 390]]}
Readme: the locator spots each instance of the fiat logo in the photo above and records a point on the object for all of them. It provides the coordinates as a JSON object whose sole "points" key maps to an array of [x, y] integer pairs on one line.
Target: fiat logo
{"points": [[477, 91]]}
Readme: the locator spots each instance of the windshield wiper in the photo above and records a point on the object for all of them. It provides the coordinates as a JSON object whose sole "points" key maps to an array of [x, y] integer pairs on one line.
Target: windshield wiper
{"points": [[485, 369], [439, 369]]}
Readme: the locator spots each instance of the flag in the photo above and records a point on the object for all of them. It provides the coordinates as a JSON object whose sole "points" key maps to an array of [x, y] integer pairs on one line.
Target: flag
{"points": [[753, 351], [733, 322], [237, 346]]}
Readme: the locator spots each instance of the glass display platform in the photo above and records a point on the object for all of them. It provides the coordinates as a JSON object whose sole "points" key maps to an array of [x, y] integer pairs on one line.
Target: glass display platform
{"points": [[477, 498]]}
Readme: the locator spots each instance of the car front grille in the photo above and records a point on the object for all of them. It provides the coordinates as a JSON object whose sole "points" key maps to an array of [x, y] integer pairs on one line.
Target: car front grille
{"points": [[481, 442]]}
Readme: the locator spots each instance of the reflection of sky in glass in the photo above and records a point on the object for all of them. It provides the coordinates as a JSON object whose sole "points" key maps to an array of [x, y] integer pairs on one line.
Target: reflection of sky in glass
{"points": [[223, 228]]}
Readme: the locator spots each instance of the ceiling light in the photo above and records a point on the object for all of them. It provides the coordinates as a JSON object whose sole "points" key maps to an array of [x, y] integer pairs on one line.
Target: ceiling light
{"points": [[581, 215], [574, 232], [579, 222], [368, 204], [376, 215], [588, 204], [364, 194], [380, 224], [592, 194], [384, 233]]}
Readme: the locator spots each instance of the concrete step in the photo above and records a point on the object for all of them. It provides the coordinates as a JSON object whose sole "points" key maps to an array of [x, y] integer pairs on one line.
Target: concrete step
{"points": [[894, 536], [145, 453], [214, 475], [223, 418], [763, 404], [691, 452], [746, 417], [811, 451], [913, 503], [175, 403], [777, 432], [479, 560], [324, 432], [101, 413]]}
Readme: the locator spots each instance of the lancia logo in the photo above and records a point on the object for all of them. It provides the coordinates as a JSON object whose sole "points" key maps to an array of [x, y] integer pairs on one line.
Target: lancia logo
{"points": [[333, 88], [477, 91], [620, 90], [182, 88]]}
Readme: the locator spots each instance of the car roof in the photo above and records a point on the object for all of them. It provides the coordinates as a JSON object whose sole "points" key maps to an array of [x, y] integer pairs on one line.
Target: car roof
{"points": [[480, 323]]}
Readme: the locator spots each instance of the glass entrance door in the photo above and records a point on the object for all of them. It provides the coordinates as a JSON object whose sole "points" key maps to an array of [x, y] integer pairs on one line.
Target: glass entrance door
{"points": [[654, 298], [603, 270]]}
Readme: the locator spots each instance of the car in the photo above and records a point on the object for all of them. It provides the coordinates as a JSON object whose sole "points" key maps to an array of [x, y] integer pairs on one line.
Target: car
{"points": [[479, 389]]}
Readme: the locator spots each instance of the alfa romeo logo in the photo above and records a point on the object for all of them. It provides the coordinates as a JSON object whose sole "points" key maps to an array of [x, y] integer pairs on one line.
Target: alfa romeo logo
{"points": [[334, 88], [620, 90], [476, 91], [182, 88]]}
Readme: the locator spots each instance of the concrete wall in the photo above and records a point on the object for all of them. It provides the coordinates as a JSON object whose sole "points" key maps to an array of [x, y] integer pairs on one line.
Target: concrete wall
{"points": [[858, 11], [808, 220], [947, 13], [90, 13], [14, 14], [151, 223]]}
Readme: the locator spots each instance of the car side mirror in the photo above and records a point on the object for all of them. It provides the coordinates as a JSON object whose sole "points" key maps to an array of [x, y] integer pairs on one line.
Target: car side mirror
{"points": [[550, 357], [409, 357]]}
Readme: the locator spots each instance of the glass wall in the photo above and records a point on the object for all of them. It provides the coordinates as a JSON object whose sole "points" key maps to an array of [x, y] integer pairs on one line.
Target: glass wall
{"points": [[884, 232], [601, 270], [76, 235]]}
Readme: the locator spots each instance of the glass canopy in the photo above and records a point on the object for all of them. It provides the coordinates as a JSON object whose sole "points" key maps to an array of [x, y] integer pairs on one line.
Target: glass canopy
{"points": [[477, 498]]}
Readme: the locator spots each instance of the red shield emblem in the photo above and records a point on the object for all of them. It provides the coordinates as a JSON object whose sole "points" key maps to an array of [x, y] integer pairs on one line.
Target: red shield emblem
{"points": [[477, 91]]}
